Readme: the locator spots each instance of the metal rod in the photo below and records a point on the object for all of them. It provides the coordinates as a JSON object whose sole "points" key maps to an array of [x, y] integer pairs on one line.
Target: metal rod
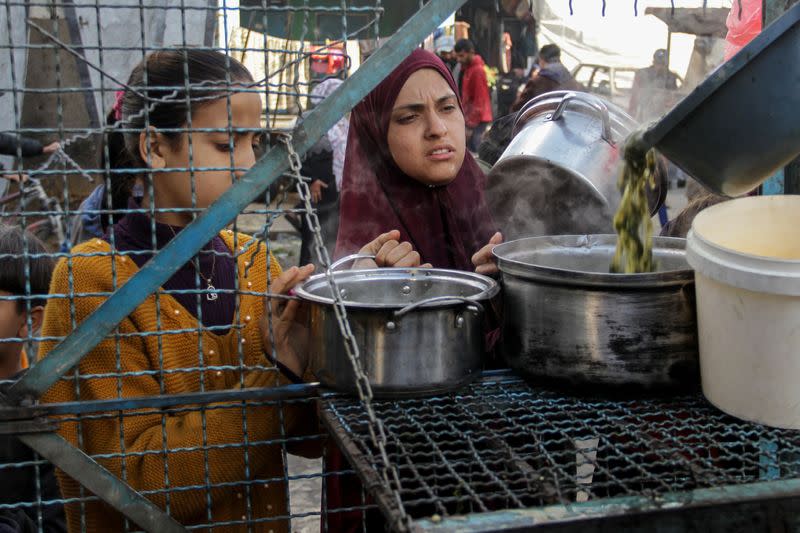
{"points": [[271, 394], [183, 247], [615, 507], [101, 482]]}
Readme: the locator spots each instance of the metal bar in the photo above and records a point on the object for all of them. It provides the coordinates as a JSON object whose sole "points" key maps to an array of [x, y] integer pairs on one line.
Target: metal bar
{"points": [[167, 5], [615, 507], [183, 247], [101, 482], [286, 392]]}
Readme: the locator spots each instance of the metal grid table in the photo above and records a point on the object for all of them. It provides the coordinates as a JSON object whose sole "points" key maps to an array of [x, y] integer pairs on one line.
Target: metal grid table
{"points": [[500, 454]]}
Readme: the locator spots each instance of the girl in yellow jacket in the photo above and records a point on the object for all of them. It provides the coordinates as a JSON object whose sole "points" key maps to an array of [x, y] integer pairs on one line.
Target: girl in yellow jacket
{"points": [[191, 121]]}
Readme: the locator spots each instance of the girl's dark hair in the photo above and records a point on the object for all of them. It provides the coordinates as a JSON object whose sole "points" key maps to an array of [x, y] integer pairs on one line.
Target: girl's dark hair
{"points": [[12, 269], [157, 96]]}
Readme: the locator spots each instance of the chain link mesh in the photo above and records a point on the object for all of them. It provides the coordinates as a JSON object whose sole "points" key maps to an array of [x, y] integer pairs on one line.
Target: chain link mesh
{"points": [[61, 65]]}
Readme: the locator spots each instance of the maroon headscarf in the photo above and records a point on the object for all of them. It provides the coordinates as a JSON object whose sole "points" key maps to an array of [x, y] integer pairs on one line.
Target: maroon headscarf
{"points": [[446, 224]]}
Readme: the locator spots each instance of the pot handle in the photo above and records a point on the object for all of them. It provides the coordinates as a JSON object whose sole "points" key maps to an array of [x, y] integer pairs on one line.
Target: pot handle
{"points": [[475, 306], [351, 257], [594, 103]]}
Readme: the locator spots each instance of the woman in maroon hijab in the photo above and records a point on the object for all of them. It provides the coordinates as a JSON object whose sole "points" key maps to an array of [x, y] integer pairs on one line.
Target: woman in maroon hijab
{"points": [[409, 180], [407, 170]]}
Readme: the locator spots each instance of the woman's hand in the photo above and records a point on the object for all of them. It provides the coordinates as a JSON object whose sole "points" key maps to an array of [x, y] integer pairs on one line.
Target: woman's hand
{"points": [[17, 178], [290, 339], [316, 190], [52, 147], [483, 258], [390, 252]]}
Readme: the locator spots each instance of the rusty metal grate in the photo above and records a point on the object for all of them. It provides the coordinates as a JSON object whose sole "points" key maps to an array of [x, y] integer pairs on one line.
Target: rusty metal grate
{"points": [[501, 444]]}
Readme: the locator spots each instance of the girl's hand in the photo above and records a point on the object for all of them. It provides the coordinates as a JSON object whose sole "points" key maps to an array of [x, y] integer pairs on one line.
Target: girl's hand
{"points": [[390, 252], [290, 339], [484, 260]]}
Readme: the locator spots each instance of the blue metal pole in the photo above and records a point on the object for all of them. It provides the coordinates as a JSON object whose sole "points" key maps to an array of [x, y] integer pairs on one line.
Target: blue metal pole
{"points": [[283, 393], [101, 482], [183, 247], [606, 508]]}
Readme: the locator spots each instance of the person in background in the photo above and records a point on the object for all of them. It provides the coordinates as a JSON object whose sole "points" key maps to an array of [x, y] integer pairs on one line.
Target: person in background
{"points": [[324, 164], [551, 75], [21, 320], [13, 145], [88, 222], [496, 140], [682, 223], [651, 86], [508, 87], [444, 46], [227, 317], [475, 98]]}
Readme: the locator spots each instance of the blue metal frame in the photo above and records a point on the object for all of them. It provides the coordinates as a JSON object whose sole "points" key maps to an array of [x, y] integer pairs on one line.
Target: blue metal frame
{"points": [[101, 482], [272, 394], [577, 513]]}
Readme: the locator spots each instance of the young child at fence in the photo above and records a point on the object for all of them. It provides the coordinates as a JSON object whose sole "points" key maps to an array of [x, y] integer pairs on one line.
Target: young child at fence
{"points": [[90, 221], [219, 464], [23, 264]]}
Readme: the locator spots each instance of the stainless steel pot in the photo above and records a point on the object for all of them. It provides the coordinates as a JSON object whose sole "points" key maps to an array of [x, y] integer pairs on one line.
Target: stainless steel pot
{"points": [[559, 173], [565, 318], [418, 330]]}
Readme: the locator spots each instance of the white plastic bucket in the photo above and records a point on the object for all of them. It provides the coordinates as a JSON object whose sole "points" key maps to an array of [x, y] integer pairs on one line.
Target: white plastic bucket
{"points": [[746, 257]]}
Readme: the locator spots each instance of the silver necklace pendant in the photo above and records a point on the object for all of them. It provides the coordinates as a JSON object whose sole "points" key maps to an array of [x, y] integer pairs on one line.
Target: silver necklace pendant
{"points": [[211, 296]]}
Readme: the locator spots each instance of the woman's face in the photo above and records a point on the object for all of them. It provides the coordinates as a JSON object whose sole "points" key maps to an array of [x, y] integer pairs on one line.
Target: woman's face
{"points": [[426, 130], [228, 154]]}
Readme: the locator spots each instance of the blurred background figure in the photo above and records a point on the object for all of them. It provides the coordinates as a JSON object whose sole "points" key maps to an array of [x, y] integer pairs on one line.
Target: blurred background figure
{"points": [[324, 164], [13, 145], [444, 46], [652, 87], [551, 75], [475, 98], [9, 144]]}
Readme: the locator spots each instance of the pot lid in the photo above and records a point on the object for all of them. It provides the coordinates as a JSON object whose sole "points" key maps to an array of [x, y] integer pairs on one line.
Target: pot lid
{"points": [[584, 260], [395, 288]]}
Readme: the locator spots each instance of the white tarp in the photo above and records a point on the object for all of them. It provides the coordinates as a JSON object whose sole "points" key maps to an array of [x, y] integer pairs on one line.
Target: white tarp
{"points": [[120, 27], [133, 29], [13, 53], [620, 38]]}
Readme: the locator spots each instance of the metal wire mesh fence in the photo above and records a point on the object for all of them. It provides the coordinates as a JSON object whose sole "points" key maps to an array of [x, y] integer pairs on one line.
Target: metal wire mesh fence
{"points": [[502, 445], [150, 369], [167, 393]]}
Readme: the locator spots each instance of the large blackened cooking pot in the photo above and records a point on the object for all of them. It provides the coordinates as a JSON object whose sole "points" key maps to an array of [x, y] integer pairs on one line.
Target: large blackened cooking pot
{"points": [[566, 318]]}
